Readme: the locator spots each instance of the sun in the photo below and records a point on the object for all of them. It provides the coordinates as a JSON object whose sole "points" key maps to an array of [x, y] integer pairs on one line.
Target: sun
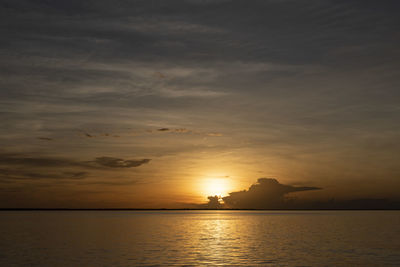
{"points": [[216, 187]]}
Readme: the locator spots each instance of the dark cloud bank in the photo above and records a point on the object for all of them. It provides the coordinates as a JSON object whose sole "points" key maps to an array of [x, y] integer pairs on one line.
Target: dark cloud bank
{"points": [[22, 167], [19, 159], [268, 193]]}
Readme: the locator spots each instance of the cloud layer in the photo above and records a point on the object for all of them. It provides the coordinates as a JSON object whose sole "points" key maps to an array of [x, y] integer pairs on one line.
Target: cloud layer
{"points": [[267, 193], [16, 167], [120, 163], [304, 89]]}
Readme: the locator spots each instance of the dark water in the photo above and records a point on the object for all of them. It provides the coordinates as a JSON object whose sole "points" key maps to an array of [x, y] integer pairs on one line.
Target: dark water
{"points": [[249, 238]]}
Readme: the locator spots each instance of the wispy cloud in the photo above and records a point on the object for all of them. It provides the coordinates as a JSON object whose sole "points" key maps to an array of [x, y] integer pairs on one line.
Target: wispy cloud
{"points": [[20, 167], [45, 138], [19, 159], [120, 163], [18, 174], [280, 86]]}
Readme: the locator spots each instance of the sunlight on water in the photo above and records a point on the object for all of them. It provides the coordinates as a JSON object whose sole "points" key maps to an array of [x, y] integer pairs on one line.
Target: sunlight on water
{"points": [[131, 238]]}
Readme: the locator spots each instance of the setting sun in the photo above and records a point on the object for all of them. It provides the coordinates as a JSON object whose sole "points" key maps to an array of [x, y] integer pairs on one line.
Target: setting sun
{"points": [[199, 132], [216, 186]]}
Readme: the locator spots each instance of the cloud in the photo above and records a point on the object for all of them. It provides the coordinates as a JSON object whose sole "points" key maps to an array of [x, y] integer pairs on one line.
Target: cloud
{"points": [[267, 193], [213, 203], [18, 174], [88, 135], [45, 138], [214, 134], [76, 175], [120, 163], [182, 130], [175, 130], [288, 82], [20, 167], [187, 131], [111, 183], [18, 159], [163, 129]]}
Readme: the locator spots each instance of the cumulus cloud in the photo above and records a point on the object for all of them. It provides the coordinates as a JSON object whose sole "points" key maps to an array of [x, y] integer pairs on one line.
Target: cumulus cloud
{"points": [[213, 202], [120, 163], [267, 193]]}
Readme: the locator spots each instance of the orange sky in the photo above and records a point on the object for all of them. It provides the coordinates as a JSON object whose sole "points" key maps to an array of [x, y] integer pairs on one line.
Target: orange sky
{"points": [[152, 106]]}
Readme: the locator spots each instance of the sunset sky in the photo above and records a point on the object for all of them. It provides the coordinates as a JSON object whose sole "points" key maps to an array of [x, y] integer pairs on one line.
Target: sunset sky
{"points": [[159, 104]]}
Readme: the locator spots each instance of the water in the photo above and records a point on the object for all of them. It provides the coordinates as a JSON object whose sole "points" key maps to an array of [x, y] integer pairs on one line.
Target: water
{"points": [[249, 238]]}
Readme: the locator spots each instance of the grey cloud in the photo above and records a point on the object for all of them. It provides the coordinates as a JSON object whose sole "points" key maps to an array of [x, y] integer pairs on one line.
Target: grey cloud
{"points": [[7, 159], [76, 175], [129, 132], [36, 174], [267, 193], [18, 167], [45, 138], [50, 162], [181, 131], [120, 163], [88, 135], [213, 203], [305, 74], [176, 130], [224, 31], [111, 183]]}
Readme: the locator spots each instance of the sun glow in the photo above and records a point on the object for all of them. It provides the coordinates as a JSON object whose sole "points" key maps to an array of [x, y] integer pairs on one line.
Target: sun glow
{"points": [[216, 187]]}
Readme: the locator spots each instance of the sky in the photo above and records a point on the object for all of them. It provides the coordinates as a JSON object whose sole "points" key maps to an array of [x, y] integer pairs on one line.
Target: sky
{"points": [[157, 104]]}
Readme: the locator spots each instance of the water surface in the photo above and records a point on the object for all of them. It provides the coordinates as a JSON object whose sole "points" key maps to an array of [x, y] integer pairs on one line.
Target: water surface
{"points": [[249, 238]]}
